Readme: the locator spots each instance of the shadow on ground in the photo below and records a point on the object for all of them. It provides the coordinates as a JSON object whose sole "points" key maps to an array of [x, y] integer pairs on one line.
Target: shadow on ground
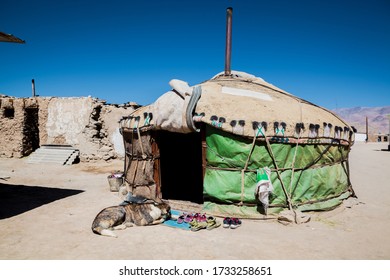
{"points": [[17, 199]]}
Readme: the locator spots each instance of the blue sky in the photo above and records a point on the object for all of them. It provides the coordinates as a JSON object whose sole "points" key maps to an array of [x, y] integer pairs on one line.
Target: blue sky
{"points": [[333, 53]]}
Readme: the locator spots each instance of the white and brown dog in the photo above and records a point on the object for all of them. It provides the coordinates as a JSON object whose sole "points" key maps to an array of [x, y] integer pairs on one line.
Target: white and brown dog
{"points": [[131, 212]]}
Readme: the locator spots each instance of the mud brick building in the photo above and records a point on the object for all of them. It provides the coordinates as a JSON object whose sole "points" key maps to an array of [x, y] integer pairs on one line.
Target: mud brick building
{"points": [[85, 123]]}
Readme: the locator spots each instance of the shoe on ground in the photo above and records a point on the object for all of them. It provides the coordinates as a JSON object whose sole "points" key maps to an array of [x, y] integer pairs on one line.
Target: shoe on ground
{"points": [[212, 223], [235, 223], [227, 222]]}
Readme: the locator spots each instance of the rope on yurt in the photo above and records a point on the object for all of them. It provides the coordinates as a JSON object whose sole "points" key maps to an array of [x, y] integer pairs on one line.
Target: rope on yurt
{"points": [[259, 131], [269, 148], [140, 140], [312, 163], [136, 128], [244, 169], [128, 154], [136, 164], [142, 147], [272, 169], [276, 166], [293, 163], [135, 172], [290, 206], [296, 151], [347, 171]]}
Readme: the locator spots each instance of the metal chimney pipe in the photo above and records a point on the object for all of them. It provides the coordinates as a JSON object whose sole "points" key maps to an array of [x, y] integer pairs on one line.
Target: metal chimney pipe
{"points": [[33, 87], [228, 50]]}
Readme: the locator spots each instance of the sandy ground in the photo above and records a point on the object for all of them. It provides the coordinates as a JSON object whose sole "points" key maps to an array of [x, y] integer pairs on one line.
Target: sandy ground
{"points": [[46, 213]]}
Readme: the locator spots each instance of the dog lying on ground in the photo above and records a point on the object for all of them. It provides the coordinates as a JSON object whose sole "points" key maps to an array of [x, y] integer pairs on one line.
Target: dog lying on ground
{"points": [[128, 214]]}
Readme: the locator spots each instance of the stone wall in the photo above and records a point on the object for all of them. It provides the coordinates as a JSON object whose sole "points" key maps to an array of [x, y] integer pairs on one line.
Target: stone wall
{"points": [[88, 124], [12, 115]]}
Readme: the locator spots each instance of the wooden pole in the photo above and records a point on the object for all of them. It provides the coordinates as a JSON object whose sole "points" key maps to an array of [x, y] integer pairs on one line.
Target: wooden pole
{"points": [[204, 150], [156, 165]]}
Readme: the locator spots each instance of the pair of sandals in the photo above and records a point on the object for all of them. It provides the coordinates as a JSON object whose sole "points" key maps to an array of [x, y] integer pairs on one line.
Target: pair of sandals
{"points": [[209, 223]]}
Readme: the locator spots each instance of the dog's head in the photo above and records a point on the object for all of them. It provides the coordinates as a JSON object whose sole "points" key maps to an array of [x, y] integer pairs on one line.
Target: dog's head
{"points": [[165, 209]]}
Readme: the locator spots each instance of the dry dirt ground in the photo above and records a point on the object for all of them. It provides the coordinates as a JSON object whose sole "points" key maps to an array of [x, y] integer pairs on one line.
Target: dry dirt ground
{"points": [[46, 213]]}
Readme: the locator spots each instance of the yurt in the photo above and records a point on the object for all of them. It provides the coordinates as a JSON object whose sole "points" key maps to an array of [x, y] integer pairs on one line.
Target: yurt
{"points": [[238, 146]]}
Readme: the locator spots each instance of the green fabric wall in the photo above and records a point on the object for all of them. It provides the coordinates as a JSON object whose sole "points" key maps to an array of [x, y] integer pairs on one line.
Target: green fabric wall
{"points": [[319, 180]]}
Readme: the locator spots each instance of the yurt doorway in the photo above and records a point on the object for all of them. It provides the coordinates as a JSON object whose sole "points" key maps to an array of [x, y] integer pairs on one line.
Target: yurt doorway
{"points": [[181, 166]]}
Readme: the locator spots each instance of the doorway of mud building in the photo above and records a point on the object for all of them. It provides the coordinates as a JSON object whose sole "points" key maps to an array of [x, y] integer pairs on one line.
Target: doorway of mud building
{"points": [[31, 130], [181, 166]]}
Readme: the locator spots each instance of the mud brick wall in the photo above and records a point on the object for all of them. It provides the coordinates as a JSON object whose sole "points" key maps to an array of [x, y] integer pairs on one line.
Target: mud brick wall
{"points": [[12, 116], [88, 124], [19, 131]]}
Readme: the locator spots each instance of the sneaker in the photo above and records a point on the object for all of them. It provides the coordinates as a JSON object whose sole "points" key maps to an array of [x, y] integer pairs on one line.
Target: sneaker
{"points": [[181, 219], [201, 218], [188, 218], [212, 223], [226, 222], [196, 216], [235, 223]]}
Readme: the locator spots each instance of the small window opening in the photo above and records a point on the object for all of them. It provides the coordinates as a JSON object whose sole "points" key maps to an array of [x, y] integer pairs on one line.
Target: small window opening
{"points": [[9, 113]]}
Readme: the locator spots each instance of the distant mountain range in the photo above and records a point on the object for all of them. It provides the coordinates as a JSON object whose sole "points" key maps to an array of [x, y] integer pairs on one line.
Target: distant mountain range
{"points": [[378, 120]]}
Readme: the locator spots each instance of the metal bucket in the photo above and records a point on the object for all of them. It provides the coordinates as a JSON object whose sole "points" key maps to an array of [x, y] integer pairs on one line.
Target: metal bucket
{"points": [[115, 183]]}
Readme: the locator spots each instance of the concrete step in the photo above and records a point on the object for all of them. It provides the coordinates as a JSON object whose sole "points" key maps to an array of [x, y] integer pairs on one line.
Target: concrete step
{"points": [[54, 154]]}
